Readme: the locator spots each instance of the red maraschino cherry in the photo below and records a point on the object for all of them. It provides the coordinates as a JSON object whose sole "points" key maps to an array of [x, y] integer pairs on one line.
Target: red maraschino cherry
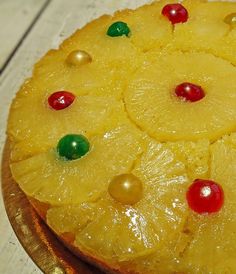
{"points": [[190, 92], [176, 13], [205, 196], [61, 99]]}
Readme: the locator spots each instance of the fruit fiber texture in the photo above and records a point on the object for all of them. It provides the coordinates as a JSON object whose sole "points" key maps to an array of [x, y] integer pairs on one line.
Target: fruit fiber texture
{"points": [[126, 107]]}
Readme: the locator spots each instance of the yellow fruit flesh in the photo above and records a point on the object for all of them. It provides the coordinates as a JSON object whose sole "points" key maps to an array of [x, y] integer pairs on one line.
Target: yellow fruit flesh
{"points": [[95, 78], [70, 218], [146, 227], [149, 28], [206, 30], [154, 107], [56, 181], [212, 248], [195, 156], [94, 115], [123, 96]]}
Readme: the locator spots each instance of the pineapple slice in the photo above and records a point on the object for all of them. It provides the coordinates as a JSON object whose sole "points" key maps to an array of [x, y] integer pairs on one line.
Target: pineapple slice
{"points": [[105, 229], [32, 135], [195, 156], [70, 218], [52, 180], [206, 30], [116, 57], [149, 27], [153, 106], [212, 249], [116, 232], [104, 49], [53, 73]]}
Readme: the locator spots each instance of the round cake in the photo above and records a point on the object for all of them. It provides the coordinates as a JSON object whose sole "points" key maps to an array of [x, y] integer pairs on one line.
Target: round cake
{"points": [[124, 139]]}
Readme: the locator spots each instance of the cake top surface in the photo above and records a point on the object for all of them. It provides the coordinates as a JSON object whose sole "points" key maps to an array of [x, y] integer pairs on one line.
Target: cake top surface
{"points": [[127, 133]]}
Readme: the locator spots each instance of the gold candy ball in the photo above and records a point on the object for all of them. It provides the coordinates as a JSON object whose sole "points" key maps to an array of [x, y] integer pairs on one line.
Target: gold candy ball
{"points": [[78, 58], [231, 19], [126, 189]]}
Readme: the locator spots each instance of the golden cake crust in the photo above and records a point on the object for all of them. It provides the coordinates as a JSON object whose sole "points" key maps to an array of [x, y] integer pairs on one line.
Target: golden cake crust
{"points": [[165, 152]]}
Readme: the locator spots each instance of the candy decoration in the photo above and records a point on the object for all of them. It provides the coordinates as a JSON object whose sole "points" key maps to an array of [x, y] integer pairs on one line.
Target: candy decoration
{"points": [[176, 13], [126, 189], [118, 29], [231, 19], [73, 146], [190, 92], [205, 196], [60, 100], [78, 58]]}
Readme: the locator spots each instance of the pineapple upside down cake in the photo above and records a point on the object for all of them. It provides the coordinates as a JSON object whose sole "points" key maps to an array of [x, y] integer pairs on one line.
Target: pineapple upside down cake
{"points": [[124, 139]]}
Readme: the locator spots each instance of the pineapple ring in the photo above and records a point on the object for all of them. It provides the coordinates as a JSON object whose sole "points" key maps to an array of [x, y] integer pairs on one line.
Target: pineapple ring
{"points": [[153, 106], [206, 29], [55, 181], [95, 115], [145, 227], [208, 232]]}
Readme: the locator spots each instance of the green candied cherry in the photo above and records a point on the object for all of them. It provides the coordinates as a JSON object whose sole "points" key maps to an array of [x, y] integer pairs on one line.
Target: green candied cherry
{"points": [[73, 146], [118, 29], [231, 19]]}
